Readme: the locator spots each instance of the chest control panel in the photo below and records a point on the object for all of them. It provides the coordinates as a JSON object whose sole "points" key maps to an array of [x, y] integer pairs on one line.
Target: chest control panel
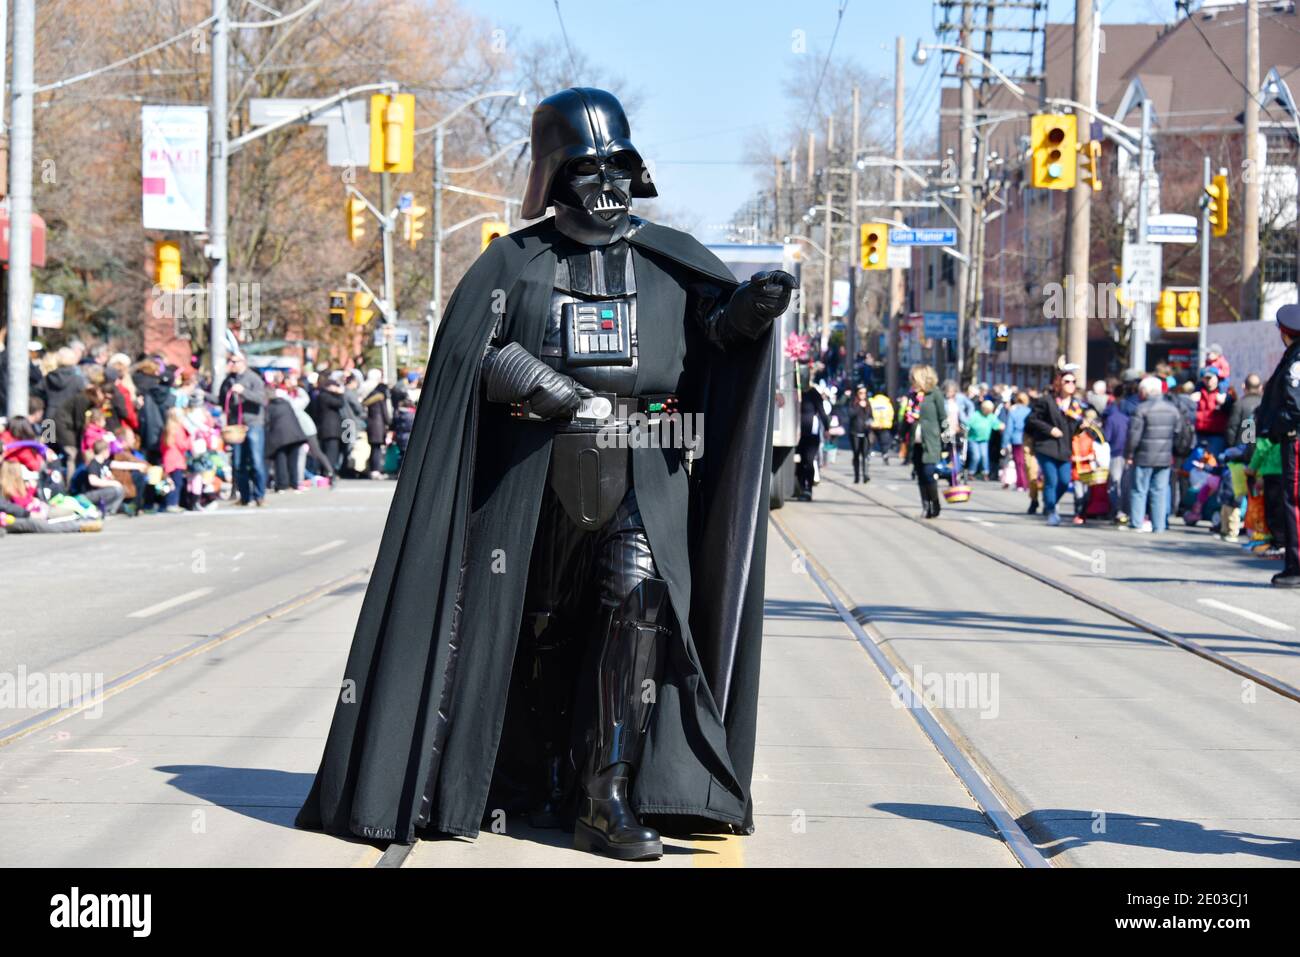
{"points": [[598, 333]]}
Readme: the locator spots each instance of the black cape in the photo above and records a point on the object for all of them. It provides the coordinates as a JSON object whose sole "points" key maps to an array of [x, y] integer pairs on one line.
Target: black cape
{"points": [[418, 723]]}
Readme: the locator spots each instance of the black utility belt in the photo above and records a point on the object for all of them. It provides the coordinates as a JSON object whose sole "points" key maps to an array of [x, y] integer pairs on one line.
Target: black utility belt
{"points": [[606, 408]]}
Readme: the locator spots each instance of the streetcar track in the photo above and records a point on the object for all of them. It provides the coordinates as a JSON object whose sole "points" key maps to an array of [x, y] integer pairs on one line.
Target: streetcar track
{"points": [[155, 666], [1276, 685], [961, 757]]}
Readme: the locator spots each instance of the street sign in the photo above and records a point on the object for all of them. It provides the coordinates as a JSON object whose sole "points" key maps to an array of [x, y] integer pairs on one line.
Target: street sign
{"points": [[47, 310], [405, 201], [941, 325], [1172, 228], [347, 125], [898, 257], [1140, 279], [840, 298], [400, 335], [923, 237]]}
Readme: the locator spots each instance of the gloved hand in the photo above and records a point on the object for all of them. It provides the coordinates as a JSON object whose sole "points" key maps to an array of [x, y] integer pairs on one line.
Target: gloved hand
{"points": [[757, 302], [512, 374]]}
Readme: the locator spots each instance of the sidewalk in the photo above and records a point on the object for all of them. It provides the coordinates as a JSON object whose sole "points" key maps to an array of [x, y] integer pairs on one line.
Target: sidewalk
{"points": [[206, 763]]}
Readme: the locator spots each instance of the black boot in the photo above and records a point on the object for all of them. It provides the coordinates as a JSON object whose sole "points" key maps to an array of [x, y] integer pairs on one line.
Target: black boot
{"points": [[628, 661]]}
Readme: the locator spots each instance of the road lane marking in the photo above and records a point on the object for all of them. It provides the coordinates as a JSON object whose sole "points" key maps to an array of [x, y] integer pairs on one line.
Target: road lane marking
{"points": [[980, 521], [1064, 550], [169, 603], [1252, 616], [719, 850], [324, 548]]}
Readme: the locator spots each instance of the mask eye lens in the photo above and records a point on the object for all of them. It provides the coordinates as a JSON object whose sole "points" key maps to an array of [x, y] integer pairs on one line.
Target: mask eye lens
{"points": [[584, 167], [624, 161]]}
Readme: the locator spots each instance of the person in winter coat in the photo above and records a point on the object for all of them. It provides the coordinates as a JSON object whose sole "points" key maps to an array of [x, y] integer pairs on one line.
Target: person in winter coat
{"points": [[326, 410], [175, 447], [813, 423], [1150, 452], [298, 398], [1114, 428], [1213, 409], [981, 424], [1243, 410], [1053, 420], [63, 381], [860, 425], [378, 417], [403, 422], [284, 435], [1014, 436], [931, 432], [243, 398], [354, 417]]}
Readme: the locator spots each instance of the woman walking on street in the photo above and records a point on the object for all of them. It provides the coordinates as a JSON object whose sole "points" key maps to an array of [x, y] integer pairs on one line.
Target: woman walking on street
{"points": [[860, 424], [928, 436], [1053, 420]]}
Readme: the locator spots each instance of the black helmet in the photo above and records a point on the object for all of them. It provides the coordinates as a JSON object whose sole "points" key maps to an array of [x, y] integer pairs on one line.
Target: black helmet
{"points": [[580, 121]]}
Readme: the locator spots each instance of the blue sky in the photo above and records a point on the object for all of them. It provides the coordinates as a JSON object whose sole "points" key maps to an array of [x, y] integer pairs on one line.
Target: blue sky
{"points": [[712, 71]]}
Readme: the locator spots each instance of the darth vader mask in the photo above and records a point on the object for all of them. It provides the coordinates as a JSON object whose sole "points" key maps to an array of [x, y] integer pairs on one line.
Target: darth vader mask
{"points": [[599, 190], [584, 164]]}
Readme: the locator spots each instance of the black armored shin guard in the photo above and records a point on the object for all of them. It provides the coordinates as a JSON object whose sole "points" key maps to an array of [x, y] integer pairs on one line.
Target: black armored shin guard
{"points": [[628, 676]]}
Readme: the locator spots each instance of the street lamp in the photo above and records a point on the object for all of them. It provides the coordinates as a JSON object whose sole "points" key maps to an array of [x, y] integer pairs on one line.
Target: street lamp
{"points": [[921, 54], [438, 129]]}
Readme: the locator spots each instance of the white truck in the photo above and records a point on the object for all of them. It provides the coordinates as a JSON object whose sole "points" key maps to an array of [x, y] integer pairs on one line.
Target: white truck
{"points": [[744, 260]]}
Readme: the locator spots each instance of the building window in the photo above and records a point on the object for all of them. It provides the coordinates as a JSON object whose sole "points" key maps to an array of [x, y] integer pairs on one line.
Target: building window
{"points": [[929, 277], [1279, 257], [1281, 150], [947, 273]]}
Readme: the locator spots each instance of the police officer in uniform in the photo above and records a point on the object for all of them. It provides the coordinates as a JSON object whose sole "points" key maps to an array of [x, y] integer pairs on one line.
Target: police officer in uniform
{"points": [[1278, 418]]}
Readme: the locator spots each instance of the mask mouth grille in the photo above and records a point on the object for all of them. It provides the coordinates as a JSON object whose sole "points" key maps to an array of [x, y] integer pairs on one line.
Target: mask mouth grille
{"points": [[608, 203]]}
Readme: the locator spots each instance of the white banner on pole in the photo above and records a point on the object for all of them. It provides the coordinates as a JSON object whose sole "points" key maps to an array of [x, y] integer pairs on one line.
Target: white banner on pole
{"points": [[174, 167]]}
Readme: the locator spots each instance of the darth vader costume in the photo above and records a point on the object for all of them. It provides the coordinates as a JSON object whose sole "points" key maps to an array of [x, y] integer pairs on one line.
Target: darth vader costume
{"points": [[563, 623]]}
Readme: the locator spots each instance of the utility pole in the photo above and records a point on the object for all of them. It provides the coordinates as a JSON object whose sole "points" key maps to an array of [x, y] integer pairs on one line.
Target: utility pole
{"points": [[1142, 312], [966, 180], [20, 207], [1254, 171], [897, 277], [218, 275], [826, 234], [4, 132], [435, 305], [1079, 212], [851, 317]]}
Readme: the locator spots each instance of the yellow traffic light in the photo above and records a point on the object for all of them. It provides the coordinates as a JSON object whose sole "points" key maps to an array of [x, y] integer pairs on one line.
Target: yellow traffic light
{"points": [[875, 246], [492, 229], [167, 266], [356, 219], [1217, 197], [1092, 162], [392, 133], [1189, 309], [1054, 139], [1167, 309], [338, 307], [413, 224], [361, 311]]}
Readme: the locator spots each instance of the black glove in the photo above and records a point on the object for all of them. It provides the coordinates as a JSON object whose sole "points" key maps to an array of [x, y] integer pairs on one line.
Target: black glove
{"points": [[512, 374], [757, 302]]}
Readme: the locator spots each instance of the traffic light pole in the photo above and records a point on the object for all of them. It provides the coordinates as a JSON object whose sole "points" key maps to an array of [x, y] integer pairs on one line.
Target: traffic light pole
{"points": [[1202, 332], [390, 313], [20, 206], [1079, 210]]}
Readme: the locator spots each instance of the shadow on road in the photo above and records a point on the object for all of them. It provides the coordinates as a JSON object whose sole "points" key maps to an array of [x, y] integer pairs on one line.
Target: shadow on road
{"points": [[1055, 830]]}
